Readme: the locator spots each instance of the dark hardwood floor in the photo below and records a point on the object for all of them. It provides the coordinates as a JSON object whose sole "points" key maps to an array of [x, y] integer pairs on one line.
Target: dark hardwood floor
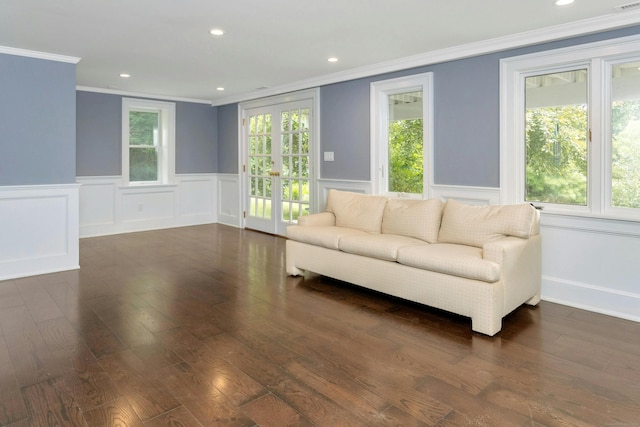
{"points": [[200, 326]]}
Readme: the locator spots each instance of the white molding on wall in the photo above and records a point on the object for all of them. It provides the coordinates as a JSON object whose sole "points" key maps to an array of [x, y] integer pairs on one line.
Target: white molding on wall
{"points": [[528, 38], [109, 207], [228, 196], [324, 185], [599, 299], [39, 229], [141, 95], [467, 194], [38, 55]]}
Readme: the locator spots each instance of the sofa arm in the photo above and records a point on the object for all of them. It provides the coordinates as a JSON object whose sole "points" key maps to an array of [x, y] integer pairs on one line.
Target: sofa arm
{"points": [[520, 263], [317, 219], [503, 250]]}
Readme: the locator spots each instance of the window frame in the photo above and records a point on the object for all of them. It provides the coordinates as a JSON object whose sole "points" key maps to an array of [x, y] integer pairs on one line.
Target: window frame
{"points": [[166, 147], [379, 114], [598, 58]]}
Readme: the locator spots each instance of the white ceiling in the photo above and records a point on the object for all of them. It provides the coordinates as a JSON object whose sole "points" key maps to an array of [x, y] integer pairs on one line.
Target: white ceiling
{"points": [[166, 47]]}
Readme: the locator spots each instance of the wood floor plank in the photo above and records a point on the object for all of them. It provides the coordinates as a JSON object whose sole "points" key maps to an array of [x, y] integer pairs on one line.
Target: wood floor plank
{"points": [[269, 411], [200, 326], [117, 412], [148, 397], [50, 405]]}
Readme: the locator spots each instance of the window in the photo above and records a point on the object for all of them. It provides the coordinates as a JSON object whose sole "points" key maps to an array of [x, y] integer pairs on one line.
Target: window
{"points": [[401, 135], [148, 135], [570, 129]]}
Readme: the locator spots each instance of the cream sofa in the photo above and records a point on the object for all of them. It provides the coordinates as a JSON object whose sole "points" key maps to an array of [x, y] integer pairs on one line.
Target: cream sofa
{"points": [[477, 261]]}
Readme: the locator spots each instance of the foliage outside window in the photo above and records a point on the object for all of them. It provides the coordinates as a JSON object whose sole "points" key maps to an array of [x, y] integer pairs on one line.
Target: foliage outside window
{"points": [[401, 131], [143, 146], [406, 161], [625, 135], [556, 138]]}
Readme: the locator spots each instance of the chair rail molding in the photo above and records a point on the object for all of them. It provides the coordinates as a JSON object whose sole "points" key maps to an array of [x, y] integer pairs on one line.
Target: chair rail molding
{"points": [[39, 229]]}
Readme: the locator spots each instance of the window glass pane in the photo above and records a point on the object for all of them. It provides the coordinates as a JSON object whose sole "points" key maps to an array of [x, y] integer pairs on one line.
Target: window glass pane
{"points": [[143, 128], [406, 163], [625, 135], [143, 164], [556, 138]]}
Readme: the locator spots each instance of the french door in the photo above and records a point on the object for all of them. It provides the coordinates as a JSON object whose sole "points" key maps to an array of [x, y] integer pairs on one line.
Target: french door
{"points": [[277, 166]]}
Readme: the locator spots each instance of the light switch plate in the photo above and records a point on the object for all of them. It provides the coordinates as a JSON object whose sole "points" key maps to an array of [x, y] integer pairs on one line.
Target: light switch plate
{"points": [[328, 156]]}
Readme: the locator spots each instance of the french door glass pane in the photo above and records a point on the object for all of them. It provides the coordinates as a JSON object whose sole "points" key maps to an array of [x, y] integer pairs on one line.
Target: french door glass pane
{"points": [[556, 138], [294, 152], [260, 166], [625, 135], [406, 163]]}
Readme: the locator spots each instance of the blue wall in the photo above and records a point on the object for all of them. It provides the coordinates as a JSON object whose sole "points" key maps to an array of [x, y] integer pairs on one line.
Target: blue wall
{"points": [[99, 136], [466, 117], [228, 139], [37, 121]]}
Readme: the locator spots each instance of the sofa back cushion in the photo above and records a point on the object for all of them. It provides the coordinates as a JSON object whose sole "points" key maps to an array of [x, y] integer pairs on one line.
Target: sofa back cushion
{"points": [[355, 210], [477, 225], [419, 219]]}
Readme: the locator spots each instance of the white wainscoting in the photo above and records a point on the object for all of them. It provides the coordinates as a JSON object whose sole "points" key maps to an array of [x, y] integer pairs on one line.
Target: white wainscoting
{"points": [[324, 185], [108, 207], [592, 264], [229, 205], [38, 229]]}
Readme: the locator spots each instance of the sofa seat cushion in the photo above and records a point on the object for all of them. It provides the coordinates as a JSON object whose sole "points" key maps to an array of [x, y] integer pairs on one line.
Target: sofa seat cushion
{"points": [[380, 246], [456, 260], [413, 218], [325, 236]]}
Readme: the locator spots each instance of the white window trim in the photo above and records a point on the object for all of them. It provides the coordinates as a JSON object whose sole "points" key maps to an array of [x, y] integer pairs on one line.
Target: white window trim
{"points": [[597, 57], [379, 105], [166, 152]]}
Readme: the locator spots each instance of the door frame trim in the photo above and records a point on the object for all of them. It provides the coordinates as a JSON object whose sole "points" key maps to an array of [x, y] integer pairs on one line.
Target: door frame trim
{"points": [[312, 94]]}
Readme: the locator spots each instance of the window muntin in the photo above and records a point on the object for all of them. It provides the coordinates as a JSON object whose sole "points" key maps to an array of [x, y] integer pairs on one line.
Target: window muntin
{"points": [[148, 141], [556, 132]]}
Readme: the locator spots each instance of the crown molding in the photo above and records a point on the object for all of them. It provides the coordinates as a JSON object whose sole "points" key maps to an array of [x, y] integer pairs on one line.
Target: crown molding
{"points": [[38, 55], [528, 38], [141, 95]]}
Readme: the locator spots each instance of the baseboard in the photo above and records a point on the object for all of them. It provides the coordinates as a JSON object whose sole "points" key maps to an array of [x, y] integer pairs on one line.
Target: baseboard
{"points": [[625, 305]]}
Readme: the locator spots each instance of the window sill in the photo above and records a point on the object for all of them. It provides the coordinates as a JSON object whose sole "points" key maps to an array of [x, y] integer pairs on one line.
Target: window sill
{"points": [[138, 186]]}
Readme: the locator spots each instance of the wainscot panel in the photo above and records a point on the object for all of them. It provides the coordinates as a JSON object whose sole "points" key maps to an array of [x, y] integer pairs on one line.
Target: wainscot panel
{"points": [[39, 229], [108, 207], [229, 200]]}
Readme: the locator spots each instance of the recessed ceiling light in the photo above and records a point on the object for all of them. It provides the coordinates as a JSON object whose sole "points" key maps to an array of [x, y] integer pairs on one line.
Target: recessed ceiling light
{"points": [[125, 75], [563, 2], [216, 32], [220, 88], [333, 59]]}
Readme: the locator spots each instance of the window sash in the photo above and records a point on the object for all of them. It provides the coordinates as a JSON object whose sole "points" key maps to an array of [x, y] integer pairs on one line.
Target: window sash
{"points": [[164, 142], [599, 57]]}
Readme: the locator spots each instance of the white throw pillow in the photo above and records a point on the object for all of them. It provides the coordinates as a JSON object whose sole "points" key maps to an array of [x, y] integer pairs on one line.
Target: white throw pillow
{"points": [[477, 225], [355, 210], [419, 219]]}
